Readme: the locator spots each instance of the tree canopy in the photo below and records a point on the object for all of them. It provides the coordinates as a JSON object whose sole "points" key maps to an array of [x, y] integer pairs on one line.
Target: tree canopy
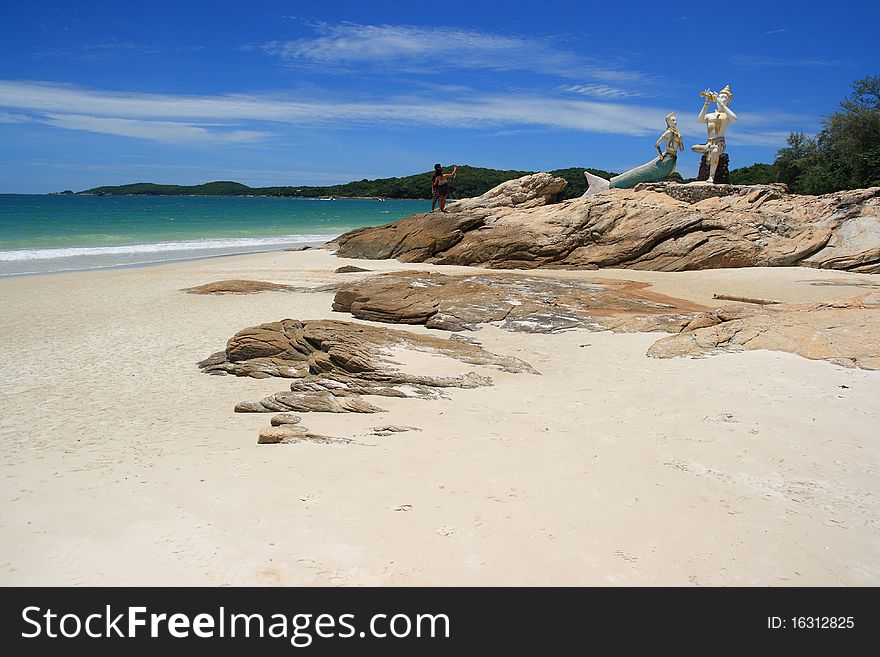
{"points": [[845, 154]]}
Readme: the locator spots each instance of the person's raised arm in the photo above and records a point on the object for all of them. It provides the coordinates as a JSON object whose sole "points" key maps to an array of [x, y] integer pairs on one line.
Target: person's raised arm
{"points": [[724, 108], [702, 115]]}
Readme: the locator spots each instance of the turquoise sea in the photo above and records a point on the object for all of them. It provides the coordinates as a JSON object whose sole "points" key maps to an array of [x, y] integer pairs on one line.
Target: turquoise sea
{"points": [[54, 233]]}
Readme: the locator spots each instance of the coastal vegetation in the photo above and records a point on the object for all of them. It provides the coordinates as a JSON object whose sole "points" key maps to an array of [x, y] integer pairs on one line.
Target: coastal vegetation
{"points": [[468, 182], [845, 154]]}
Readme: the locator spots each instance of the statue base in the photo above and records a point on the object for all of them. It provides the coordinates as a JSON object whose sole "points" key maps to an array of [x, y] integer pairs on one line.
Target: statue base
{"points": [[694, 192], [722, 175]]}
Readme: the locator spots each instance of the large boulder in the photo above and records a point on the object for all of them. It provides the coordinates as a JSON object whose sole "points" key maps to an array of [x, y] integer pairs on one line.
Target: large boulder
{"points": [[664, 227]]}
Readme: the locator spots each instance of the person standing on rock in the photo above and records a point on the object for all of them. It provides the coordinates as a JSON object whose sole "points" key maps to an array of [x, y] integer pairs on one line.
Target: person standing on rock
{"points": [[440, 186]]}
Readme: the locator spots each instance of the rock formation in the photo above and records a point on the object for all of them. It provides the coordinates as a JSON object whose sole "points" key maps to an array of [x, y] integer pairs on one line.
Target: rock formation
{"points": [[662, 226], [533, 304], [532, 191], [844, 332], [288, 433], [333, 364], [244, 286], [237, 286]]}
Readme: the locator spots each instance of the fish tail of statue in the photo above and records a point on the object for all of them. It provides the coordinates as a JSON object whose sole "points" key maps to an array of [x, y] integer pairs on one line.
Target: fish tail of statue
{"points": [[595, 184]]}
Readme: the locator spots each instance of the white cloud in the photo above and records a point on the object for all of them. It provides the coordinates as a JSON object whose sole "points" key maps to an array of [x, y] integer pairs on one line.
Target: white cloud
{"points": [[154, 110], [7, 117], [162, 131], [602, 91], [163, 117], [435, 49], [772, 138]]}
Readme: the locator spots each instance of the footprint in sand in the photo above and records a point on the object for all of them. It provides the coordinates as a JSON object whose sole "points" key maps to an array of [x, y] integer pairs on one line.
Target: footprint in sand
{"points": [[625, 556]]}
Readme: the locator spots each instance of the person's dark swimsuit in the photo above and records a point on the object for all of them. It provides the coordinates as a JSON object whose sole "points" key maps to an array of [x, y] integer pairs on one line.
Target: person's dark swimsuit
{"points": [[442, 188]]}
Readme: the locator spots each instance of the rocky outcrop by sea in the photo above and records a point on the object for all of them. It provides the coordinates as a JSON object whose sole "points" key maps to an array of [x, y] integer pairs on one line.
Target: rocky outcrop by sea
{"points": [[334, 366], [656, 226]]}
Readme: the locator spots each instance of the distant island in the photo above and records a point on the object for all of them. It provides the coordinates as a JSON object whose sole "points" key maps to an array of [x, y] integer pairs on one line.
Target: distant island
{"points": [[469, 182]]}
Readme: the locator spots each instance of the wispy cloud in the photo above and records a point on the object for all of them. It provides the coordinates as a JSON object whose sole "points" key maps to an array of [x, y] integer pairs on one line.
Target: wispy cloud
{"points": [[783, 29], [751, 62], [435, 49], [96, 52], [170, 132], [169, 117], [218, 119], [601, 91], [8, 117]]}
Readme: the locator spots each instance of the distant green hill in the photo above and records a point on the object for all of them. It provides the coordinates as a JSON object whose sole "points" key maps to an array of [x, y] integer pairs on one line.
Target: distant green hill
{"points": [[219, 188], [468, 182]]}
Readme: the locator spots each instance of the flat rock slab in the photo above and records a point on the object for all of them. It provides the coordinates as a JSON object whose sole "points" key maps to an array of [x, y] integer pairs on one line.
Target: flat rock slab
{"points": [[243, 286], [237, 286], [844, 332], [515, 302]]}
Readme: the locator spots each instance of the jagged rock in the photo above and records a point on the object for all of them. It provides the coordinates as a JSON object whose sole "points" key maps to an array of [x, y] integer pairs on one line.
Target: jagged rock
{"points": [[843, 332], [273, 435], [284, 418], [350, 269], [530, 191], [759, 225], [318, 402], [333, 364], [534, 304], [237, 286], [291, 434]]}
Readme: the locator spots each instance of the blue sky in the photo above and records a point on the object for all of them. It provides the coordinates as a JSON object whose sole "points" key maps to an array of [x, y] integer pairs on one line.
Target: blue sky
{"points": [[304, 93]]}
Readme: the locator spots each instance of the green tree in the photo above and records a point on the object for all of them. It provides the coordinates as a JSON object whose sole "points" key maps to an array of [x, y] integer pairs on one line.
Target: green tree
{"points": [[846, 152], [757, 174], [795, 159]]}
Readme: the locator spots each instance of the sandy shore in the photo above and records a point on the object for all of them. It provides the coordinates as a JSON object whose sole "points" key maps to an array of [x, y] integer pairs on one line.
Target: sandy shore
{"points": [[124, 465]]}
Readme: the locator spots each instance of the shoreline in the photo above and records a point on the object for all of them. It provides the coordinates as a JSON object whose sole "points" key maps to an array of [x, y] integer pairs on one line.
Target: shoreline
{"points": [[125, 465], [159, 263]]}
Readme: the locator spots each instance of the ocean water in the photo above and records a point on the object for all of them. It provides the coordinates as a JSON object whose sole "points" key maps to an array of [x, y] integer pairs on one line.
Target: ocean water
{"points": [[42, 233]]}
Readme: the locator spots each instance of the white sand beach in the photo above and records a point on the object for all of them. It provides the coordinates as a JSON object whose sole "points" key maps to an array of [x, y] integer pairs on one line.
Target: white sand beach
{"points": [[123, 464]]}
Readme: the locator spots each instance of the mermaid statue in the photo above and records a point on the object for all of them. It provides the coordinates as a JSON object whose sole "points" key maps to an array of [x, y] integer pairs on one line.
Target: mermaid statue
{"points": [[659, 168]]}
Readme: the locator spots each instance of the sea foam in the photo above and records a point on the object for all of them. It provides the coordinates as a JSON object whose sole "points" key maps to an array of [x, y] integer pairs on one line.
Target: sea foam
{"points": [[238, 244]]}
